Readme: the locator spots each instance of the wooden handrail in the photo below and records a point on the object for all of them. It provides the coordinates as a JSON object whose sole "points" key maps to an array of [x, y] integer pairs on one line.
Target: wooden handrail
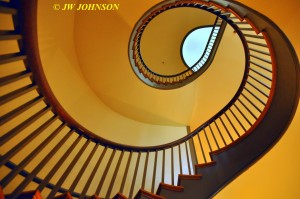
{"points": [[29, 31], [176, 80], [254, 116]]}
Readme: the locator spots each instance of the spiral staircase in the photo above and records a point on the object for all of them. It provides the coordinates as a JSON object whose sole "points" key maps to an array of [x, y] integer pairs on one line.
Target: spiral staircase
{"points": [[226, 145]]}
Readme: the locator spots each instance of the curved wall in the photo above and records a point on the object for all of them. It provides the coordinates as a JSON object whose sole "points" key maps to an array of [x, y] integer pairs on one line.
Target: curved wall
{"points": [[85, 61], [62, 70]]}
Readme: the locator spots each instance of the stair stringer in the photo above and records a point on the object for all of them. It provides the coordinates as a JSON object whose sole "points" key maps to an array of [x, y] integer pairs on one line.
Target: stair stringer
{"points": [[235, 159], [281, 107]]}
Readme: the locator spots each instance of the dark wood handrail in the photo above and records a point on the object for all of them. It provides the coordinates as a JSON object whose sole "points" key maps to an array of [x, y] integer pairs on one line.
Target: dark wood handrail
{"points": [[28, 25], [194, 66], [257, 123], [160, 81]]}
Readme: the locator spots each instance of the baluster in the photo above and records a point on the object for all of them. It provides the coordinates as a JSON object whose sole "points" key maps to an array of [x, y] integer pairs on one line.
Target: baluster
{"points": [[112, 182], [236, 118], [58, 164], [84, 167], [251, 103], [126, 172], [218, 129], [92, 175], [254, 36], [180, 160], [26, 140], [263, 103], [42, 163], [261, 83], [187, 158], [201, 147], [262, 75], [226, 129], [12, 57], [257, 44], [213, 136], [145, 170], [232, 125], [258, 89], [14, 77], [15, 131], [154, 173], [172, 166], [194, 157], [33, 154], [261, 59], [260, 66], [207, 140], [163, 167], [14, 113], [242, 114], [5, 8], [108, 164], [62, 179], [246, 29], [135, 174], [17, 93], [248, 109]]}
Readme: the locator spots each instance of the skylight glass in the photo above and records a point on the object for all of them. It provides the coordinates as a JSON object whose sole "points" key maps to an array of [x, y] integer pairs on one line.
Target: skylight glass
{"points": [[194, 45]]}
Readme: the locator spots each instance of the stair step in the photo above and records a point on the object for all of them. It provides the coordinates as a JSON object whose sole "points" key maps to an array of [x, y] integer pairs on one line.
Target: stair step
{"points": [[208, 164], [170, 191], [66, 195], [28, 195], [188, 177], [119, 196], [204, 165], [169, 187], [142, 194]]}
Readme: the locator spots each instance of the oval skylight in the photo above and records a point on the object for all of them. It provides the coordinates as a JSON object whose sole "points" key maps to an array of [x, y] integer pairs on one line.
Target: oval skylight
{"points": [[194, 45]]}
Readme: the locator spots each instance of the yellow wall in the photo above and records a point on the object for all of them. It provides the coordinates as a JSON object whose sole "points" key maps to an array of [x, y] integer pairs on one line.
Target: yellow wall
{"points": [[64, 74], [93, 80], [277, 174]]}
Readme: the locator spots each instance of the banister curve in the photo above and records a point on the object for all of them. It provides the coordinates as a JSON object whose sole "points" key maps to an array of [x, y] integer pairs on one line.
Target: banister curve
{"points": [[259, 118], [30, 40]]}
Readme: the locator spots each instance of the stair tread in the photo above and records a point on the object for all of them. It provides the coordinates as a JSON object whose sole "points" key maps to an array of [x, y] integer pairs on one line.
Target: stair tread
{"points": [[188, 177], [147, 194], [208, 164], [169, 187]]}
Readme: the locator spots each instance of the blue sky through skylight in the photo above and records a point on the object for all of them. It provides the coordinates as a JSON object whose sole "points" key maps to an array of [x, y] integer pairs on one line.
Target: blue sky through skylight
{"points": [[194, 45]]}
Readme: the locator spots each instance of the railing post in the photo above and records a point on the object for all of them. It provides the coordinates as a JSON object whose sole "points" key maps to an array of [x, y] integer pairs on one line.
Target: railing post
{"points": [[193, 154]]}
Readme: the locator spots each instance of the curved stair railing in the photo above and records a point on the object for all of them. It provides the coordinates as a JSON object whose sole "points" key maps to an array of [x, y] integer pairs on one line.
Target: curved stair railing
{"points": [[211, 45], [34, 124], [156, 80]]}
